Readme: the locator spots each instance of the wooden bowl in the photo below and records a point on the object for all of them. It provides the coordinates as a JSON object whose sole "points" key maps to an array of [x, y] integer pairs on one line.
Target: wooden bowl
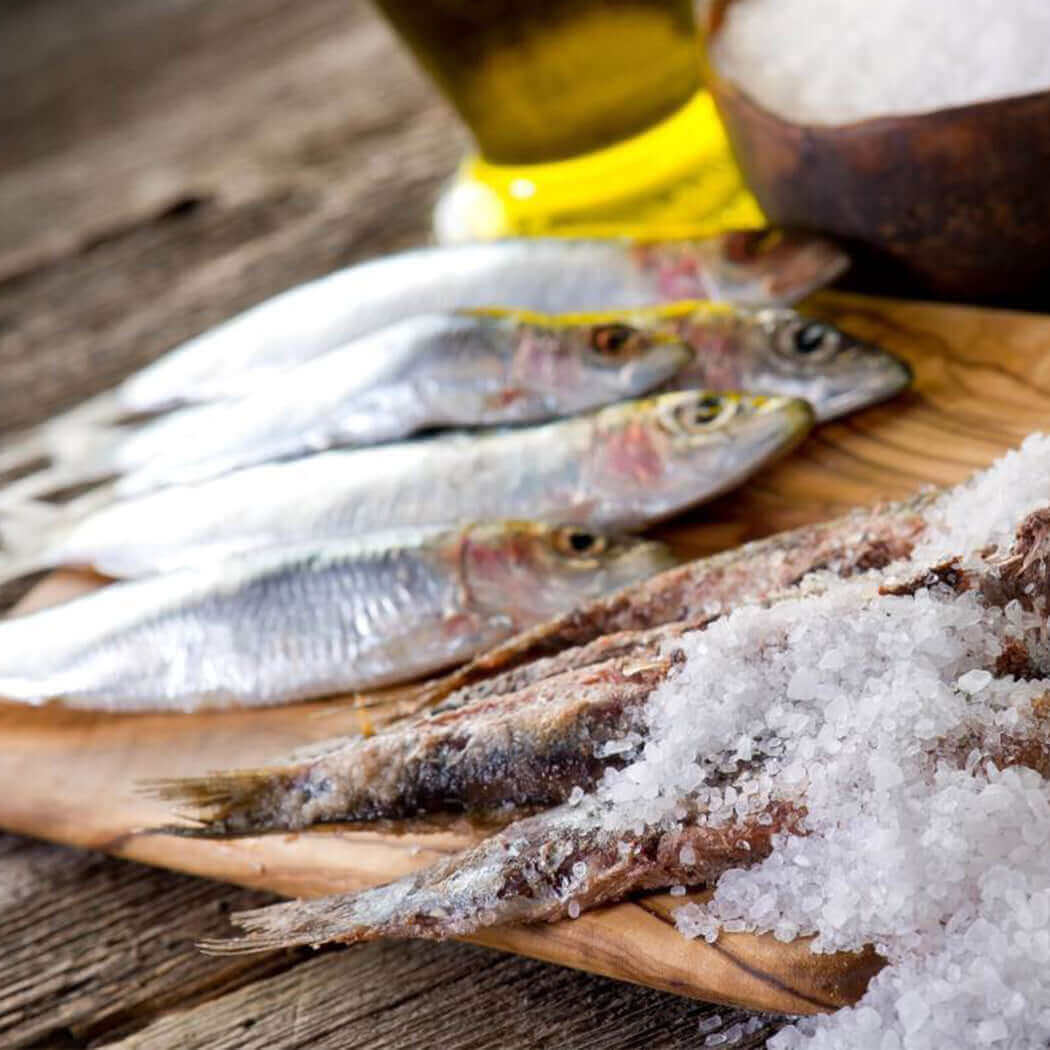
{"points": [[954, 202]]}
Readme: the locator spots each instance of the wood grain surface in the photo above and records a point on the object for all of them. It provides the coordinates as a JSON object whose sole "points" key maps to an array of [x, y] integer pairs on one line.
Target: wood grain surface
{"points": [[166, 163]]}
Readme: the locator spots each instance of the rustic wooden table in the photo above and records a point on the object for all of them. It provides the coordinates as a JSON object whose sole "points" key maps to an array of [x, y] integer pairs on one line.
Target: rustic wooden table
{"points": [[164, 164]]}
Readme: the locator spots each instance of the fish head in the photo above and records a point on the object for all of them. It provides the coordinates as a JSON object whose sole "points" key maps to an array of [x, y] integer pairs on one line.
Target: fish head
{"points": [[531, 571], [776, 350], [581, 362], [750, 267], [650, 459]]}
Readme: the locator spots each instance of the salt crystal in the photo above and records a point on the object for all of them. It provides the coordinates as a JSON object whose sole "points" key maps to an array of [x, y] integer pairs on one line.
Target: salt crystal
{"points": [[677, 891], [579, 870], [992, 1031], [974, 681], [687, 856], [575, 796], [717, 1039], [574, 909]]}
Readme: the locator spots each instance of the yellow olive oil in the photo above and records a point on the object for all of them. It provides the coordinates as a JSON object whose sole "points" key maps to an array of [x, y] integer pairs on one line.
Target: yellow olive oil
{"points": [[589, 116]]}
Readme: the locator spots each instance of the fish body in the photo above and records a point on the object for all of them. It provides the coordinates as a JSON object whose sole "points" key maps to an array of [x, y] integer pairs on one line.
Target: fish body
{"points": [[620, 467], [539, 869], [425, 372], [551, 275], [487, 761], [309, 621]]}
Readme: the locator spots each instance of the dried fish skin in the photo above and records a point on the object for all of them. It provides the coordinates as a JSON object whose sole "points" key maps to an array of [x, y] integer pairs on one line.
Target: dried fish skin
{"points": [[488, 761], [618, 468], [308, 621], [425, 372], [698, 590], [540, 869]]}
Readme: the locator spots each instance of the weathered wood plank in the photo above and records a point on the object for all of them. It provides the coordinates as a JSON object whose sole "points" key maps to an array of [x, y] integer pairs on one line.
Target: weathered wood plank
{"points": [[391, 995], [99, 951]]}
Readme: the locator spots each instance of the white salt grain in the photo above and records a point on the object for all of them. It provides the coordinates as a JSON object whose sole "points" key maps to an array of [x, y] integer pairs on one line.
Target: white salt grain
{"points": [[974, 681], [835, 61]]}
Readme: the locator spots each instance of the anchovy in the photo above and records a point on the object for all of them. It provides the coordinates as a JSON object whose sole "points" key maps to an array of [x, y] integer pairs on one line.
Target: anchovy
{"points": [[426, 372], [549, 275], [620, 467], [859, 541], [486, 761], [310, 621]]}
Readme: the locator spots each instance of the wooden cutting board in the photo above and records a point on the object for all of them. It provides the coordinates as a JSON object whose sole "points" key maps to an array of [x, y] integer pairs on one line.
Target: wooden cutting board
{"points": [[982, 384]]}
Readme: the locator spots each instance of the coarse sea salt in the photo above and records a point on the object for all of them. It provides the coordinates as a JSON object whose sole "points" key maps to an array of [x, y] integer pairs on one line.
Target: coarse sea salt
{"points": [[919, 837], [836, 61]]}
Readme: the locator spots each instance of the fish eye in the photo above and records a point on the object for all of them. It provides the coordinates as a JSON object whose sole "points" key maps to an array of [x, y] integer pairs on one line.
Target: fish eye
{"points": [[611, 340], [577, 542], [701, 413], [810, 339]]}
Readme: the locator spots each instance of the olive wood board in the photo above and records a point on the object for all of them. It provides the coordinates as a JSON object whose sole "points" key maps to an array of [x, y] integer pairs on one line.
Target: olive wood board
{"points": [[982, 382]]}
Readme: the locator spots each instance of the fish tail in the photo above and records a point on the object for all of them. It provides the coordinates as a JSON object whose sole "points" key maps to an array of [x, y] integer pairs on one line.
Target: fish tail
{"points": [[418, 905], [298, 924], [41, 483], [220, 805], [25, 532], [62, 437]]}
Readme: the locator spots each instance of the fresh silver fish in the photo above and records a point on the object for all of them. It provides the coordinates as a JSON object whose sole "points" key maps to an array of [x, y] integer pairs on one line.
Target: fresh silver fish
{"points": [[620, 467], [310, 621], [551, 275], [429, 371]]}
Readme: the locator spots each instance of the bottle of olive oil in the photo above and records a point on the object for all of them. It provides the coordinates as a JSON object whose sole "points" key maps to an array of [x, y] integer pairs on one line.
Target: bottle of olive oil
{"points": [[589, 117]]}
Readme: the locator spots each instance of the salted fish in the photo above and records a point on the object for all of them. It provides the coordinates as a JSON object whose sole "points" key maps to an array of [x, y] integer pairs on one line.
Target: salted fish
{"points": [[573, 857]]}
